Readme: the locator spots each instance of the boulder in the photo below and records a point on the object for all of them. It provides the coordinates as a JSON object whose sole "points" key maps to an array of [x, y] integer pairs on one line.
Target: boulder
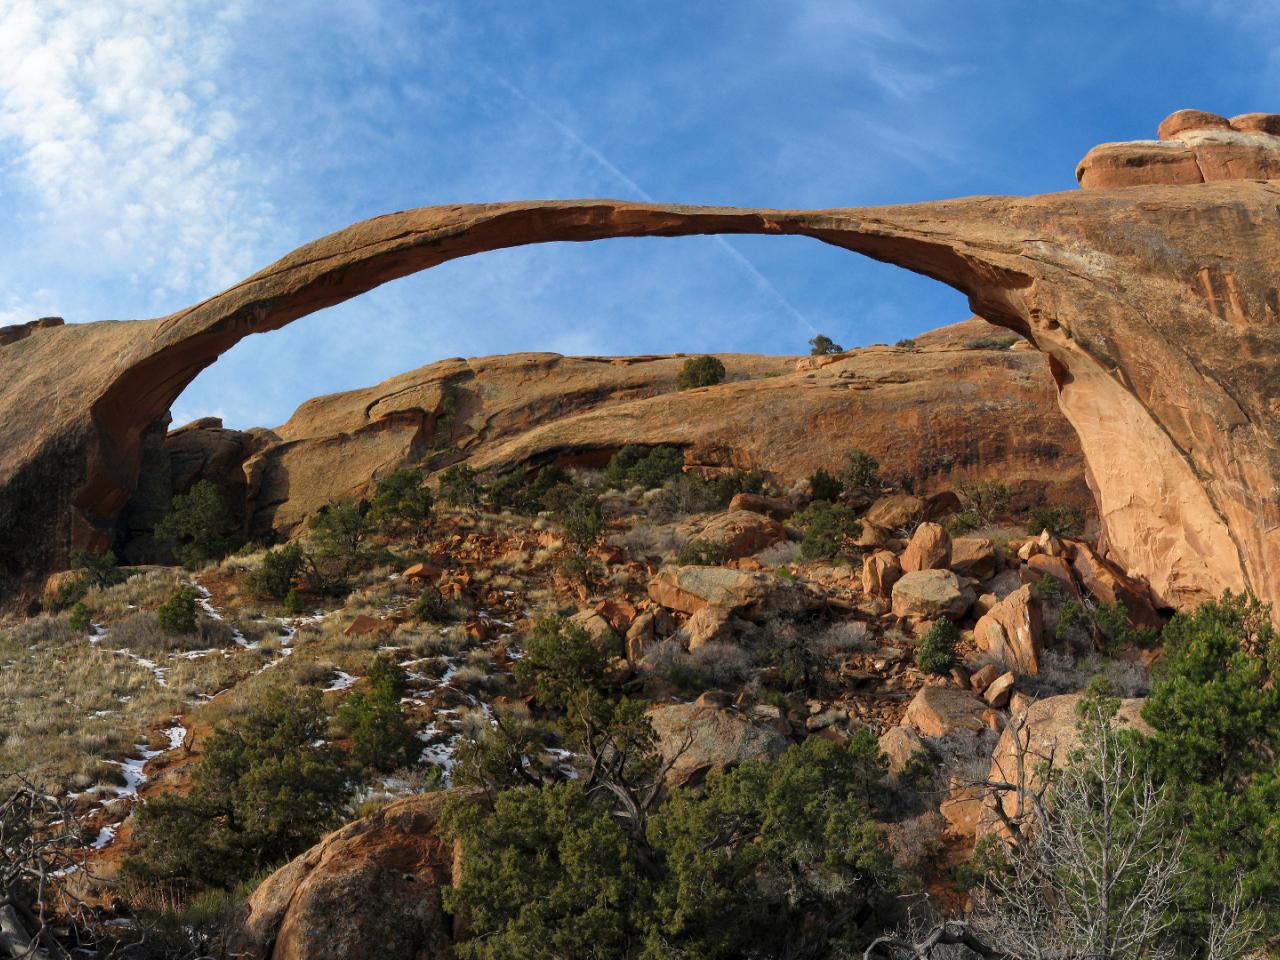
{"points": [[899, 745], [707, 625], [869, 535], [930, 594], [742, 532], [880, 571], [53, 586], [1193, 147], [1181, 121], [774, 507], [1012, 631], [688, 589], [618, 613], [963, 808], [1003, 583], [366, 626], [1052, 730], [1107, 583], [596, 625], [707, 739], [998, 693], [974, 557], [928, 549], [944, 712], [371, 887], [640, 635], [427, 572], [1044, 565], [984, 677], [896, 511], [1257, 123]]}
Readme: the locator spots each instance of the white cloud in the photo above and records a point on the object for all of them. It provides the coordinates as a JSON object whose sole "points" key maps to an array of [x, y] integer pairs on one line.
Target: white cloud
{"points": [[119, 141]]}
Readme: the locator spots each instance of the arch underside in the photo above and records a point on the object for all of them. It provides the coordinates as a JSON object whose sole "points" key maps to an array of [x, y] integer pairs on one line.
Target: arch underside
{"points": [[1175, 435]]}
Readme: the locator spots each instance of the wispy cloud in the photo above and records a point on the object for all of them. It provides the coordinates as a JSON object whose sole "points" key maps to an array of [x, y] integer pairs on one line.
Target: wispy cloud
{"points": [[120, 144]]}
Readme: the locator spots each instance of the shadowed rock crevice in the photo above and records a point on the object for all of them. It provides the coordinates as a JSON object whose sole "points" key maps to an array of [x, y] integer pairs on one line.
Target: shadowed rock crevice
{"points": [[1178, 431]]}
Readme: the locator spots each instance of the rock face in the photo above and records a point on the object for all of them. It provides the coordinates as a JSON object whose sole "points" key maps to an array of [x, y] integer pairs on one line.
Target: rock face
{"points": [[375, 881], [914, 411], [1157, 306]]}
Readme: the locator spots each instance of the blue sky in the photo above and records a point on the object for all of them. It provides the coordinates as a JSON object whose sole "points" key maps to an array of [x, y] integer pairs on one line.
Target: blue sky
{"points": [[155, 151]]}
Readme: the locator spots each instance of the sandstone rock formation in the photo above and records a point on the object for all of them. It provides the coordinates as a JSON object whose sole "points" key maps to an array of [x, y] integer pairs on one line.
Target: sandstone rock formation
{"points": [[1194, 147], [917, 412], [1157, 305], [944, 712], [375, 881]]}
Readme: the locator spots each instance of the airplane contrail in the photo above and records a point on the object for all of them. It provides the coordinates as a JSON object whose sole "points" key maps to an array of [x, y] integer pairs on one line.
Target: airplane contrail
{"points": [[762, 282]]}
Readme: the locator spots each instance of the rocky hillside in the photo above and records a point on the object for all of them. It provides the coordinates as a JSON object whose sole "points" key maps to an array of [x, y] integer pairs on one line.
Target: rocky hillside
{"points": [[969, 401]]}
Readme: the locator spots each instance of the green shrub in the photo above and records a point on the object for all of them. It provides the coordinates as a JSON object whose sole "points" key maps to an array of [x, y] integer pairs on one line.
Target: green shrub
{"points": [[700, 372], [1067, 522], [648, 467], [1105, 623], [401, 503], [99, 569], [822, 345], [906, 343], [177, 615], [266, 788], [580, 514], [199, 526], [460, 487], [860, 473], [337, 536], [729, 485], [992, 343], [79, 617], [797, 661], [292, 602], [987, 500], [773, 854], [563, 661], [823, 486], [1215, 743], [381, 737], [274, 577], [827, 529], [526, 491], [508, 753], [95, 570], [936, 650], [430, 607], [705, 553]]}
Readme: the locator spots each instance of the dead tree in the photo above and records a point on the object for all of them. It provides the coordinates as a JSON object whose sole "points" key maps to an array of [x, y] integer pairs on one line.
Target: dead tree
{"points": [[40, 844], [1090, 867]]}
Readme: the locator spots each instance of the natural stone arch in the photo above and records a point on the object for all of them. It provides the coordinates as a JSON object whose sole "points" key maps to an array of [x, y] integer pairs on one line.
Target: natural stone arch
{"points": [[1157, 307]]}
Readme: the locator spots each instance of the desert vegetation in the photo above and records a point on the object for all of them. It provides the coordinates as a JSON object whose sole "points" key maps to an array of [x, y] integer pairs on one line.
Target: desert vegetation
{"points": [[678, 713]]}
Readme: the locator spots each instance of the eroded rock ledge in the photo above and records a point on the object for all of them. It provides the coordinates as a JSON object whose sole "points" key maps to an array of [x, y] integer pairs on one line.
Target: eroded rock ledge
{"points": [[1157, 306]]}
